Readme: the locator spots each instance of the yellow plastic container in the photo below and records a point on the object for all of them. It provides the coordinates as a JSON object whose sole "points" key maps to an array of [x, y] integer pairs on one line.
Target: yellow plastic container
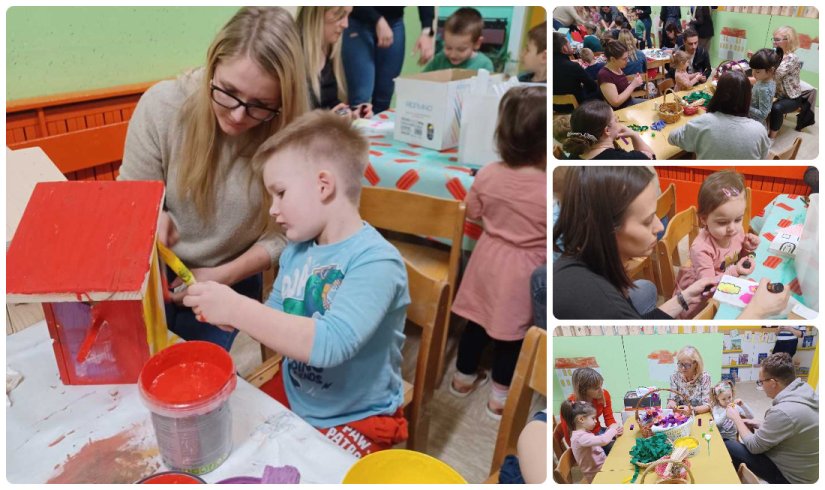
{"points": [[401, 466]]}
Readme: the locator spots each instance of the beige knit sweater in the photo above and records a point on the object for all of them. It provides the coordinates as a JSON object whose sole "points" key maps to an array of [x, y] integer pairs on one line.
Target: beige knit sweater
{"points": [[153, 143]]}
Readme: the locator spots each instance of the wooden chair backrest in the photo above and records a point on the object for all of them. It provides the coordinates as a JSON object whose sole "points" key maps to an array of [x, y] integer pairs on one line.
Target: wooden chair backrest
{"points": [[559, 444], [709, 311], [746, 219], [563, 472], [567, 99], [664, 85], [417, 214], [666, 203], [683, 224], [530, 376], [790, 152], [746, 476]]}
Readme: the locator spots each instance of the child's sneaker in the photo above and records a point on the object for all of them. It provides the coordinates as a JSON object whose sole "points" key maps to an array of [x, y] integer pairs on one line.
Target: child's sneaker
{"points": [[463, 385], [494, 410]]}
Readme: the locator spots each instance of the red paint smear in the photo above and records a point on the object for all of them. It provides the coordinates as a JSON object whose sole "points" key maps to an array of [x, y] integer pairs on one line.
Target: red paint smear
{"points": [[111, 460], [784, 206], [772, 262], [383, 116], [793, 196], [408, 152], [407, 180], [378, 143], [187, 372], [56, 441], [375, 153], [472, 230], [172, 478], [784, 223], [794, 286], [761, 212], [769, 236], [371, 175], [453, 159], [412, 145], [456, 189], [460, 169], [450, 150], [78, 237], [376, 137], [404, 160]]}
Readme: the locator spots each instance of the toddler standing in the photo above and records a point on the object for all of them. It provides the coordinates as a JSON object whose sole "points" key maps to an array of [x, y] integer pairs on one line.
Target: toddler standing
{"points": [[722, 246], [587, 448], [510, 197], [721, 396]]}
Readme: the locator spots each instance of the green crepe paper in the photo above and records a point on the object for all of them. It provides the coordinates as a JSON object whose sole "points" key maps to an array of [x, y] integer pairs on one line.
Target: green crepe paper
{"points": [[649, 450], [694, 96]]}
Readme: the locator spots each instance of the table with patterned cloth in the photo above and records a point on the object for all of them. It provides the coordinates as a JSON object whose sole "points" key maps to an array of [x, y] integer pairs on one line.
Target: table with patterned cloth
{"points": [[399, 165], [784, 211]]}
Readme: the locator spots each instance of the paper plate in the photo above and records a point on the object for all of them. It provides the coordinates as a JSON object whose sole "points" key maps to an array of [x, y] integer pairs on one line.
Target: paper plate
{"points": [[401, 466]]}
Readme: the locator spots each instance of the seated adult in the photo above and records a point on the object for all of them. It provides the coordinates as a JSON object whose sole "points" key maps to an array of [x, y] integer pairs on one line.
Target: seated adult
{"points": [[725, 132], [615, 88], [566, 17], [568, 76], [784, 448], [672, 37], [608, 216], [591, 41], [636, 60], [699, 61], [788, 90], [690, 380], [593, 131]]}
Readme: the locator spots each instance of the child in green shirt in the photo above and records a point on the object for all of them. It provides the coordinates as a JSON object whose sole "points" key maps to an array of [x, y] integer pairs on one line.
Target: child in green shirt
{"points": [[462, 39]]}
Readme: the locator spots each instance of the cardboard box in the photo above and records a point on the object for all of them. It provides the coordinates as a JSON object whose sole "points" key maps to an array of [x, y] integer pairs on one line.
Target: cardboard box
{"points": [[428, 107]]}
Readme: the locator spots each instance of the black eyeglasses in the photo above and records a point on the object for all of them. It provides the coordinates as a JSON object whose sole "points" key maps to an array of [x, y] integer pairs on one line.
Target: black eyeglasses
{"points": [[229, 101], [760, 381]]}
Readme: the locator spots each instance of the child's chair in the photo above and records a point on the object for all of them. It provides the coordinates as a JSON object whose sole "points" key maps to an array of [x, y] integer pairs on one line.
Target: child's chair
{"points": [[667, 249], [664, 85], [709, 311], [789, 153], [567, 99], [530, 377], [428, 310], [563, 472], [407, 216], [746, 476]]}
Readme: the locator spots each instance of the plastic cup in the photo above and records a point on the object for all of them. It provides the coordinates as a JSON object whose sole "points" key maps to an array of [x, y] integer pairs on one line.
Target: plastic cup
{"points": [[401, 466], [187, 388], [172, 477]]}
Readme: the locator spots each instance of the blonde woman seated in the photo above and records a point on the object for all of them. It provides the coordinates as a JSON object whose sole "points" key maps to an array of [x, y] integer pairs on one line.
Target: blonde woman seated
{"points": [[691, 380]]}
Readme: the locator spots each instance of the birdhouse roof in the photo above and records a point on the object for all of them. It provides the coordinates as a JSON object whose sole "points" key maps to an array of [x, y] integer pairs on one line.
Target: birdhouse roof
{"points": [[84, 241]]}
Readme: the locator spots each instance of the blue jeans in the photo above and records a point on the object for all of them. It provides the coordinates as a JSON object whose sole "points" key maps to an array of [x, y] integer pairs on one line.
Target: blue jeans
{"points": [[371, 70], [648, 24], [759, 464], [538, 290], [643, 296], [181, 320], [609, 446]]}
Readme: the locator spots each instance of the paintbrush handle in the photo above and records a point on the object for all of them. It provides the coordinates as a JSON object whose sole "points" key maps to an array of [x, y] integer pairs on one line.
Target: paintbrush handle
{"points": [[176, 264]]}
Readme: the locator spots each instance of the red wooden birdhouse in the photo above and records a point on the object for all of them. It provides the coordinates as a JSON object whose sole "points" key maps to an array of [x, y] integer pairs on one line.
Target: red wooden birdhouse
{"points": [[86, 251]]}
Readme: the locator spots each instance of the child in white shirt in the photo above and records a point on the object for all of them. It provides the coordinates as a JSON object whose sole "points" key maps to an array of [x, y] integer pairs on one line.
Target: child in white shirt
{"points": [[721, 396]]}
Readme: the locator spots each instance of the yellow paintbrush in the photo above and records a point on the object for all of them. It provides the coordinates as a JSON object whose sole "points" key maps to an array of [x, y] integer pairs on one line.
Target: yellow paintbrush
{"points": [[176, 264]]}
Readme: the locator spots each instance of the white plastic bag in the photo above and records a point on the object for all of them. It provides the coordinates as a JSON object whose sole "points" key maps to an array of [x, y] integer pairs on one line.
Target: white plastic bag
{"points": [[479, 116]]}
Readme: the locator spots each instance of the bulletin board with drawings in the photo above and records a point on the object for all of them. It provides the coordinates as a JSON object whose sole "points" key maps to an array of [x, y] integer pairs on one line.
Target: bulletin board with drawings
{"points": [[743, 350]]}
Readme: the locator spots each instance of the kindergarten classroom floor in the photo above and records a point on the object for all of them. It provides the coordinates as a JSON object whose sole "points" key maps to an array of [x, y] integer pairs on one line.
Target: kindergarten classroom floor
{"points": [[809, 149], [461, 433]]}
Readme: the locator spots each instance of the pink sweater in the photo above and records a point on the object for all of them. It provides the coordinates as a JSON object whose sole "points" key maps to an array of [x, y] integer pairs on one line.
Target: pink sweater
{"points": [[587, 449]]}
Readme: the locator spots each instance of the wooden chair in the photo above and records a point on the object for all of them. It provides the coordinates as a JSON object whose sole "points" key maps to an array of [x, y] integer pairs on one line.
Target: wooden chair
{"points": [[665, 208], [563, 472], [746, 476], [789, 153], [683, 224], [530, 377], [418, 215], [709, 311], [642, 90], [427, 310], [559, 444], [746, 219], [568, 99], [659, 66], [664, 85]]}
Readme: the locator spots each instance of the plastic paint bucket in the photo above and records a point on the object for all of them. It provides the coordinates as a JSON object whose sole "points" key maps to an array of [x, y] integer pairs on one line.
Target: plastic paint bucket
{"points": [[172, 477], [187, 388], [401, 466]]}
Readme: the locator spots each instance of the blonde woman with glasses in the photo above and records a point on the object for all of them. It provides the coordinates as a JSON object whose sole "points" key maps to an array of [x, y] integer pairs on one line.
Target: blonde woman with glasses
{"points": [[197, 134], [321, 29], [691, 380]]}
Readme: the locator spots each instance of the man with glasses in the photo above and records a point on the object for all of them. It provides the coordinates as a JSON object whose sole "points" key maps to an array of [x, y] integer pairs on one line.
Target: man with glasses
{"points": [[785, 447]]}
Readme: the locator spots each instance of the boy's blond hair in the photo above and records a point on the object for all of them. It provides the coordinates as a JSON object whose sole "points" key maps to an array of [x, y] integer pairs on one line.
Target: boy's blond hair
{"points": [[322, 137], [586, 55], [465, 20]]}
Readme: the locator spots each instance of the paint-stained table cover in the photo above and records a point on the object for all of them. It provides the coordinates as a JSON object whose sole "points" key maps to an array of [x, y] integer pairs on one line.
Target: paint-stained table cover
{"points": [[104, 434], [785, 210], [84, 237], [714, 468], [398, 165]]}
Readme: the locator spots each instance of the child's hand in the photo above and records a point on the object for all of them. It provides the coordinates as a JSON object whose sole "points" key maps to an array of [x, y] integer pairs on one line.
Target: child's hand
{"points": [[703, 79], [740, 266], [751, 241], [619, 429], [624, 131], [738, 401], [671, 404], [213, 303]]}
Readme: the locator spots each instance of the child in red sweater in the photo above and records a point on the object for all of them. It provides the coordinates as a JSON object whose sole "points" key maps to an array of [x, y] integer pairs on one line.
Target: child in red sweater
{"points": [[587, 386]]}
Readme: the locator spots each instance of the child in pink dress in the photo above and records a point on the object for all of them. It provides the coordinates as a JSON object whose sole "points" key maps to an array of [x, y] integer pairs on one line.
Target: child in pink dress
{"points": [[722, 246], [510, 197], [586, 446]]}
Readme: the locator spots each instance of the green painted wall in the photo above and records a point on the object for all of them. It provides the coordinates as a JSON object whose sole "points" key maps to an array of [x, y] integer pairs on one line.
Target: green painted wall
{"points": [[609, 353]]}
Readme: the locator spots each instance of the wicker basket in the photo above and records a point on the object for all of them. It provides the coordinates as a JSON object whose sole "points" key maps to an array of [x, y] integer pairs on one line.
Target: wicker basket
{"points": [[668, 480], [672, 433], [670, 112]]}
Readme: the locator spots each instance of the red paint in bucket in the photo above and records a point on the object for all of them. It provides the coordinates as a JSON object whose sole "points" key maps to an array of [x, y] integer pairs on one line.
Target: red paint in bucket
{"points": [[187, 388], [172, 477]]}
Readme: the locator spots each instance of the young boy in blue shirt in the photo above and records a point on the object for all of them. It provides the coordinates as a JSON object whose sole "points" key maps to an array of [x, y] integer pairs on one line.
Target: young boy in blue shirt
{"points": [[337, 309], [462, 40]]}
